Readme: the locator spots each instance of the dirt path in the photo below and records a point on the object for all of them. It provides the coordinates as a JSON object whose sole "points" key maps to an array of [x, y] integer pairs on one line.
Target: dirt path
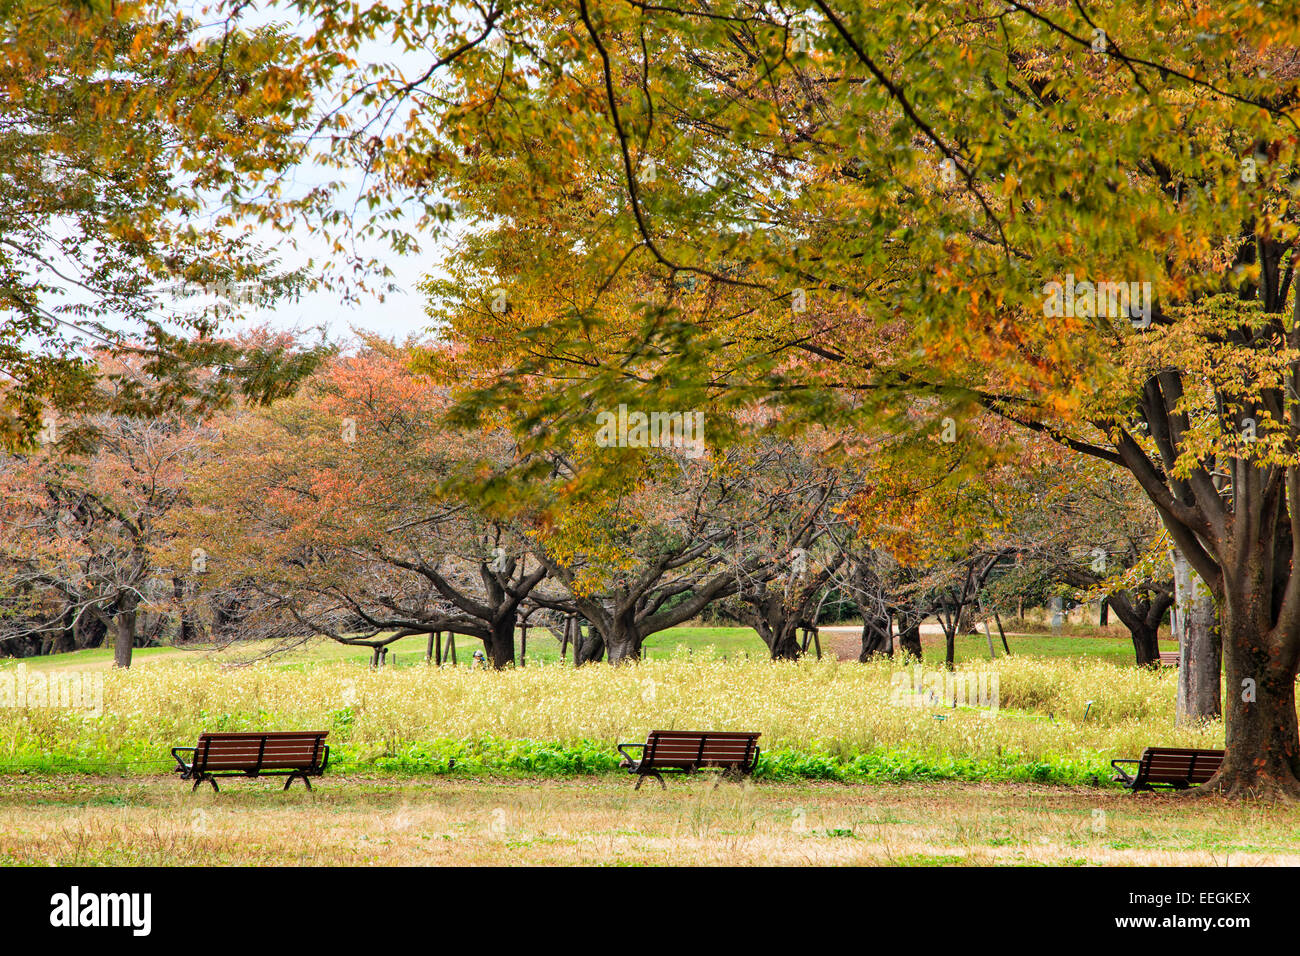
{"points": [[845, 640]]}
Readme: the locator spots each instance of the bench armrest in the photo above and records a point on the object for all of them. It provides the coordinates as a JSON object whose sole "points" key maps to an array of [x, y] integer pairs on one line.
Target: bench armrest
{"points": [[631, 761], [1120, 774], [325, 759], [183, 767]]}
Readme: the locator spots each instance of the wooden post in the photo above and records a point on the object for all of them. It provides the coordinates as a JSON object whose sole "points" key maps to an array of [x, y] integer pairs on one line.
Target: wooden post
{"points": [[523, 644], [374, 656], [564, 641], [451, 646], [437, 645], [1006, 647], [817, 642], [428, 651]]}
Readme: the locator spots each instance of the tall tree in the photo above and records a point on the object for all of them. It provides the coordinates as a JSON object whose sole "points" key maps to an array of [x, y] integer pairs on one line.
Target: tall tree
{"points": [[656, 552], [83, 526], [784, 570], [1094, 530], [332, 508]]}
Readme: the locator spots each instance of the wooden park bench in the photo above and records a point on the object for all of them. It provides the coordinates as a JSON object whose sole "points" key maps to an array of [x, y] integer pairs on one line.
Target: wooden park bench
{"points": [[295, 753], [1169, 767], [1169, 658], [685, 751]]}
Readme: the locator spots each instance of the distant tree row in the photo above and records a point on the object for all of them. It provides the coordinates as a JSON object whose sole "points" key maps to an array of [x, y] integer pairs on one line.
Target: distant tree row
{"points": [[356, 510]]}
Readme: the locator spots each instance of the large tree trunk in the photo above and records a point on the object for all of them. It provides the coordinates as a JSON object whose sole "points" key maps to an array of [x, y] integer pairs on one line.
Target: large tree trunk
{"points": [[500, 646], [1142, 613], [876, 637], [784, 645], [1146, 644], [588, 648], [775, 624], [1234, 513], [65, 638], [777, 614], [123, 637], [1263, 742], [909, 640], [623, 642], [90, 630], [185, 630], [1200, 662]]}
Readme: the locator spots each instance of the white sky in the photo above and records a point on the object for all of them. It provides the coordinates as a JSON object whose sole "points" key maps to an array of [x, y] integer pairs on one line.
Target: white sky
{"points": [[400, 313]]}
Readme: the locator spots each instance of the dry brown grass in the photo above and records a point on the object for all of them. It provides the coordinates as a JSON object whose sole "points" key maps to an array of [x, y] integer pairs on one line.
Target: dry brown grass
{"points": [[152, 821]]}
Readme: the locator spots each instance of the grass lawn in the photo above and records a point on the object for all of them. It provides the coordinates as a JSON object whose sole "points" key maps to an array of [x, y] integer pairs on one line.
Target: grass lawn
{"points": [[1101, 645], [379, 821], [710, 643]]}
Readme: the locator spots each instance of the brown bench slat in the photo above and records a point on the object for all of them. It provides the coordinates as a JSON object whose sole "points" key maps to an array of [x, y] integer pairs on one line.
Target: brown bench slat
{"points": [[697, 753], [253, 752]]}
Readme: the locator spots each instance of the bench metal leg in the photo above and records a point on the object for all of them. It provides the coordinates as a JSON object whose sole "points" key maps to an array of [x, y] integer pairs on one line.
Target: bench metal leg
{"points": [[198, 782], [641, 778]]}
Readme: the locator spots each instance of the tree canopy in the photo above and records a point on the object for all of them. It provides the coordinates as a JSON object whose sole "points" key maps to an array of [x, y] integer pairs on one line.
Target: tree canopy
{"points": [[140, 147], [1075, 217]]}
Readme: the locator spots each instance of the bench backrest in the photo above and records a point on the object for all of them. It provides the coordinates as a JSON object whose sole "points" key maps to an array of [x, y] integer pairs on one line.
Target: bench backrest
{"points": [[1173, 764], [288, 750], [695, 748], [1169, 658]]}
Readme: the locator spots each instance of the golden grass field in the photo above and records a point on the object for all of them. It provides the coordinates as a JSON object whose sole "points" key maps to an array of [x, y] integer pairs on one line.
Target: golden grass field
{"points": [[828, 707]]}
